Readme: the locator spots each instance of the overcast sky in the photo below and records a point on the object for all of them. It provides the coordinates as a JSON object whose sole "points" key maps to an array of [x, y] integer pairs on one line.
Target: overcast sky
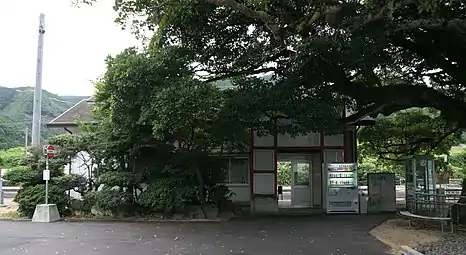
{"points": [[77, 40]]}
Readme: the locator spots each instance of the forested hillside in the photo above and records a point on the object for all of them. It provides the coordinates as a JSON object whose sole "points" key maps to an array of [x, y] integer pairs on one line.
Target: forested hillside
{"points": [[16, 113]]}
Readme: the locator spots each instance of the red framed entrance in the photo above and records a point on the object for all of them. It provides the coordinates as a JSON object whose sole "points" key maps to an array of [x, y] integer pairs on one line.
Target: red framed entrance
{"points": [[347, 136]]}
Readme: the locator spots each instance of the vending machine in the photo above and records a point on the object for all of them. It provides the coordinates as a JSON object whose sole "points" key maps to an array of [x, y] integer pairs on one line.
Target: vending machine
{"points": [[342, 188]]}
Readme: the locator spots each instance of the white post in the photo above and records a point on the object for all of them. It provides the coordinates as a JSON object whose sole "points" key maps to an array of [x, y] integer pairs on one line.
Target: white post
{"points": [[36, 116]]}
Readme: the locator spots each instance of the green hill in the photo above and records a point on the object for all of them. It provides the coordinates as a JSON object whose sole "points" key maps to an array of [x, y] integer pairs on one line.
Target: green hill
{"points": [[16, 113]]}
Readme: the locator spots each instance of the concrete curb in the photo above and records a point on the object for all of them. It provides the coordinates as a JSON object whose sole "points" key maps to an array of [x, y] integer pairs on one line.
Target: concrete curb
{"points": [[142, 220], [12, 219], [406, 250], [121, 220]]}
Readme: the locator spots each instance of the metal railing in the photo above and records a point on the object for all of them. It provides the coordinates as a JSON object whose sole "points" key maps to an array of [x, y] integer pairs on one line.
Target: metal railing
{"points": [[443, 204]]}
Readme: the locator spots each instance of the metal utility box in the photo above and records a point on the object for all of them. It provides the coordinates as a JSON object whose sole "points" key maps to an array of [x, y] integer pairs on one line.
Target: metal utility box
{"points": [[382, 192]]}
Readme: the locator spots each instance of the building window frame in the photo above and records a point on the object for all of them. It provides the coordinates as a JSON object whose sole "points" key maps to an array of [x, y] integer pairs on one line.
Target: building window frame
{"points": [[229, 171]]}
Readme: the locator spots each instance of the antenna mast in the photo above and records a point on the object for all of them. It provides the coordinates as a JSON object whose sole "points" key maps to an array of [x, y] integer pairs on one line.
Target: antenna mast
{"points": [[36, 116]]}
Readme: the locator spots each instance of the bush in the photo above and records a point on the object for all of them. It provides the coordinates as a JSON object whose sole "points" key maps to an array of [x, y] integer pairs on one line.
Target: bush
{"points": [[30, 196], [117, 179], [115, 201], [84, 206], [74, 182], [221, 197], [166, 196], [26, 175], [20, 175], [33, 186]]}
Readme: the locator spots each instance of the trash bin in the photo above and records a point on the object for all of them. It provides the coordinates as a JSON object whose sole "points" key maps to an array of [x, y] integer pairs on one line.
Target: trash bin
{"points": [[363, 201]]}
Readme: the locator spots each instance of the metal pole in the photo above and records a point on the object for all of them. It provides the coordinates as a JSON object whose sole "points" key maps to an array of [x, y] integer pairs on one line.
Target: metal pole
{"points": [[1, 188], [46, 181], [26, 138], [36, 111]]}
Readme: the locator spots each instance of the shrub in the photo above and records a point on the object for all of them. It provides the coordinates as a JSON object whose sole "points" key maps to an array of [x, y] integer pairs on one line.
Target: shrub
{"points": [[30, 196], [32, 192], [221, 197], [26, 175], [117, 179], [115, 201], [84, 206], [166, 196], [74, 182]]}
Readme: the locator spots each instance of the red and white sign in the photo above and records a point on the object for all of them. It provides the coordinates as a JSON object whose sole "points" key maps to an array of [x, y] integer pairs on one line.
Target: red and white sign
{"points": [[49, 151]]}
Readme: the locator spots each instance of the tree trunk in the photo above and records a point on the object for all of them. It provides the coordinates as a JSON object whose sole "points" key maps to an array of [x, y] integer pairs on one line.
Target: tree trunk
{"points": [[200, 180]]}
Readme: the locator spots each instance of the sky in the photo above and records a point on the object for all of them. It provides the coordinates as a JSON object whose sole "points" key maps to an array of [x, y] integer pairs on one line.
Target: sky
{"points": [[76, 43]]}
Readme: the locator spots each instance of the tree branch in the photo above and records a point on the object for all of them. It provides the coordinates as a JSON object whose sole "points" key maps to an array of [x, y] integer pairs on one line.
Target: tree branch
{"points": [[239, 73], [268, 20]]}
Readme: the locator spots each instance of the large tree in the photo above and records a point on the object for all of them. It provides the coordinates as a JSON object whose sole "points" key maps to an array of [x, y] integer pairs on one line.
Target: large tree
{"points": [[384, 55]]}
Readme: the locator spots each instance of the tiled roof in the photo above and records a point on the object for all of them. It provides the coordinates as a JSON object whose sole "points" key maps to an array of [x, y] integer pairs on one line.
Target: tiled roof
{"points": [[80, 111]]}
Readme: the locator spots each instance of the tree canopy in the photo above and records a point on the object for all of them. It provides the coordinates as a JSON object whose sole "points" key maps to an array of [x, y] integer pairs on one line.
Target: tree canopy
{"points": [[378, 56], [409, 132]]}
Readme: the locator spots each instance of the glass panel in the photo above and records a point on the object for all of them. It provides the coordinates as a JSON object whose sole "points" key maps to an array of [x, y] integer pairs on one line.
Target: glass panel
{"points": [[301, 174], [421, 174], [239, 170], [430, 175], [225, 169]]}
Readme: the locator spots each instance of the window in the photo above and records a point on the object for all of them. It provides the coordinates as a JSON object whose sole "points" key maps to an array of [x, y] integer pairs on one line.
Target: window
{"points": [[301, 176], [237, 171]]}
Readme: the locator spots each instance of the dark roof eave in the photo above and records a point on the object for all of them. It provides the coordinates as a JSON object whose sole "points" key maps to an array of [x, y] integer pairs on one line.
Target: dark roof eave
{"points": [[66, 124], [61, 124]]}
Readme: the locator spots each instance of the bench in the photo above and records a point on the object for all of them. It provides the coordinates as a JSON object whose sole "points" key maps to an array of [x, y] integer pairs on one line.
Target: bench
{"points": [[442, 220]]}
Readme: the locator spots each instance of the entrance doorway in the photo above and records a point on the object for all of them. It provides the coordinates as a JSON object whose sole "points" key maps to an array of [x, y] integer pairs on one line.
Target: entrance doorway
{"points": [[294, 178]]}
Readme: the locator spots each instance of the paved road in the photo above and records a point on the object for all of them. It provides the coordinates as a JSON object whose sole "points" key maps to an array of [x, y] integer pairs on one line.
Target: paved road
{"points": [[320, 235]]}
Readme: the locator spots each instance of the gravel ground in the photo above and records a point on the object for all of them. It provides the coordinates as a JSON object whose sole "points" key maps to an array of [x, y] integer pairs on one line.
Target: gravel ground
{"points": [[454, 244]]}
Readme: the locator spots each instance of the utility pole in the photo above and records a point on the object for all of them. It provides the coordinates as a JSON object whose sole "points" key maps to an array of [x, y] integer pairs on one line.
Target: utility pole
{"points": [[26, 138], [36, 116]]}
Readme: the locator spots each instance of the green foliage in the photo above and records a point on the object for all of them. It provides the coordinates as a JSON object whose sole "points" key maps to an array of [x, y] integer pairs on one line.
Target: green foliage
{"points": [[157, 125], [21, 174], [167, 196], [284, 173], [16, 113], [30, 196], [115, 201], [74, 182], [118, 179], [457, 161], [410, 132], [374, 56], [29, 176], [372, 164], [84, 206], [221, 197], [12, 157]]}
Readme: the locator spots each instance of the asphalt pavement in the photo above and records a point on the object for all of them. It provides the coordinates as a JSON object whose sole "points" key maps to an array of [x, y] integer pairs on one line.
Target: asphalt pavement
{"points": [[317, 235]]}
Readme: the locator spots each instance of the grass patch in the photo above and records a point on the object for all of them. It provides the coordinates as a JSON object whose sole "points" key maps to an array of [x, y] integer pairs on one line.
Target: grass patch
{"points": [[10, 215]]}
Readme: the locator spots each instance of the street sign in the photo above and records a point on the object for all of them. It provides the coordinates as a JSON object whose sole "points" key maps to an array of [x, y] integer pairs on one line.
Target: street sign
{"points": [[46, 175], [49, 151]]}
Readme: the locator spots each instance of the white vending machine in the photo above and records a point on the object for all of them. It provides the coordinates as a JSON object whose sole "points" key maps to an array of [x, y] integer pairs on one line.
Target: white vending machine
{"points": [[342, 188]]}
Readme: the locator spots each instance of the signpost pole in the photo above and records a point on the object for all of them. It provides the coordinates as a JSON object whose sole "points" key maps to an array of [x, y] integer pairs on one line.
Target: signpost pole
{"points": [[49, 152], [1, 188], [46, 181], [46, 212]]}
